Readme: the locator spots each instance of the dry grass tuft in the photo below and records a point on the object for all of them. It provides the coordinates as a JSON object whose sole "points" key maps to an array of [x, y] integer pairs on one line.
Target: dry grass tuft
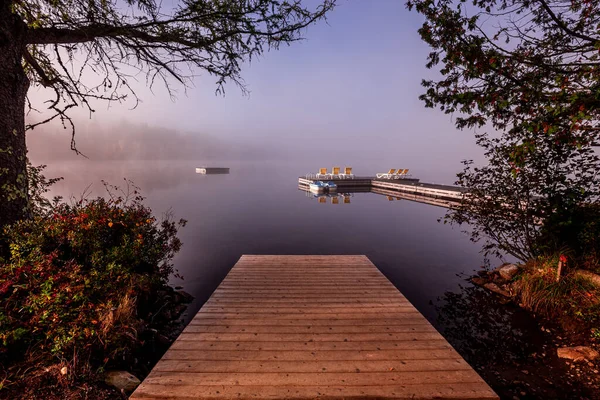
{"points": [[572, 296]]}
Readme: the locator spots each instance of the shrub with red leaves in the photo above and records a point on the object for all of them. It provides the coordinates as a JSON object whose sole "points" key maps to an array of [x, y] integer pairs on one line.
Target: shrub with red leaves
{"points": [[77, 279]]}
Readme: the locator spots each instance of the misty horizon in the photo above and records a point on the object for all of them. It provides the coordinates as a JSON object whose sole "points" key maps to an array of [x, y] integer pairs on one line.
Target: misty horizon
{"points": [[347, 96]]}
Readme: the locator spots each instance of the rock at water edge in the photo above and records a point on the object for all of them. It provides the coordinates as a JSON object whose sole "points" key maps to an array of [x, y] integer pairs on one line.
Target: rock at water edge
{"points": [[122, 380], [507, 271], [578, 353], [594, 278], [496, 289]]}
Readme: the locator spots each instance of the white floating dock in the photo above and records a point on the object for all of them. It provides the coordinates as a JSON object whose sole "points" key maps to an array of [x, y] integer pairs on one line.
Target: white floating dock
{"points": [[212, 170]]}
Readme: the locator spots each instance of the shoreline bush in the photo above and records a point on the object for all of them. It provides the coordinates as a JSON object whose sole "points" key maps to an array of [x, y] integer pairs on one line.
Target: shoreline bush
{"points": [[81, 280]]}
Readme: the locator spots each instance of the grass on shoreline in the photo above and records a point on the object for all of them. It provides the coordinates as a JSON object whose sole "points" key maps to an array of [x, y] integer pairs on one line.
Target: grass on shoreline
{"points": [[573, 301]]}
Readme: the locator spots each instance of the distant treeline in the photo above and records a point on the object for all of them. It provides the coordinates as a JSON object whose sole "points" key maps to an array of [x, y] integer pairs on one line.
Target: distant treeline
{"points": [[128, 141]]}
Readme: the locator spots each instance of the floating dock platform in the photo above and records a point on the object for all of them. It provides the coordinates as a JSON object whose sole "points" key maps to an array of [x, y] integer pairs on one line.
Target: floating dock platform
{"points": [[310, 327], [445, 195], [212, 170]]}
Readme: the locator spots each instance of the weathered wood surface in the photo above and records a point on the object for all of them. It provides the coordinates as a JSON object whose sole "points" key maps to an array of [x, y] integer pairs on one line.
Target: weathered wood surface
{"points": [[300, 327]]}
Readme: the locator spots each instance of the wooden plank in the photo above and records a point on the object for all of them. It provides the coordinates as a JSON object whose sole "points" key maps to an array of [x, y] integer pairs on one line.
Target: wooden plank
{"points": [[268, 304], [309, 366], [266, 316], [318, 296], [306, 264], [298, 268], [314, 291], [310, 326], [354, 378], [304, 355], [419, 327], [400, 319], [306, 337], [313, 278], [314, 275], [292, 282], [431, 344], [300, 279], [308, 310], [293, 300], [472, 391]]}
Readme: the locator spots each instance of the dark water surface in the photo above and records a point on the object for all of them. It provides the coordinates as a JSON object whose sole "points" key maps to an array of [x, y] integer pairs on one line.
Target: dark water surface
{"points": [[258, 209]]}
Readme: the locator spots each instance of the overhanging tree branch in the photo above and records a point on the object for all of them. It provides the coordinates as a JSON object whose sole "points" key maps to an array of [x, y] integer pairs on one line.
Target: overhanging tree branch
{"points": [[214, 36]]}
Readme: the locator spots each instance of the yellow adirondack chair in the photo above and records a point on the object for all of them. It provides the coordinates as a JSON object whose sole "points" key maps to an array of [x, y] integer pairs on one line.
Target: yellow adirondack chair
{"points": [[322, 173], [386, 175], [335, 172], [347, 173]]}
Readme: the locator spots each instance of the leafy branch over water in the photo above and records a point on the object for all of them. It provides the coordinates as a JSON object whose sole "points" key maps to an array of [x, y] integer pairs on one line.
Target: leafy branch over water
{"points": [[525, 75]]}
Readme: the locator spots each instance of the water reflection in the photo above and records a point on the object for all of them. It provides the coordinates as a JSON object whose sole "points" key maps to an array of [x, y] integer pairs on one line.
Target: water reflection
{"points": [[506, 346], [150, 176], [473, 319], [331, 198], [256, 209], [389, 195]]}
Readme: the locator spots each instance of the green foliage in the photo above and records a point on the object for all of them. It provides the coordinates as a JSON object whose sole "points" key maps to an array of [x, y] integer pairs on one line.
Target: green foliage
{"points": [[544, 205], [77, 279], [529, 72], [516, 65], [576, 229], [39, 185]]}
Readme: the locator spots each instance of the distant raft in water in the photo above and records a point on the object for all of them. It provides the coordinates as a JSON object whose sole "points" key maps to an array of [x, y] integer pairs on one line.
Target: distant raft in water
{"points": [[211, 170]]}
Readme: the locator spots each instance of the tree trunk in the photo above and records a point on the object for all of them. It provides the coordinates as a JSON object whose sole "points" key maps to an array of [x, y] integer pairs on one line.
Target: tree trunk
{"points": [[13, 91]]}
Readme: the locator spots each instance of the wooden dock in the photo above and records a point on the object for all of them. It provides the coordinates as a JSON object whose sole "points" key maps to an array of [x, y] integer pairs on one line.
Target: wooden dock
{"points": [[304, 327]]}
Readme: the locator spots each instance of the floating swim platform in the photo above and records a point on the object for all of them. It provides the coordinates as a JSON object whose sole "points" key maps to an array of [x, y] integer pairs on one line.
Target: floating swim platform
{"points": [[212, 170]]}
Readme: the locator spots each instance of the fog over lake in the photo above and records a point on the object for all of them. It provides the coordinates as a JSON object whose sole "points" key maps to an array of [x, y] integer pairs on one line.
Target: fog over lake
{"points": [[345, 96], [258, 208]]}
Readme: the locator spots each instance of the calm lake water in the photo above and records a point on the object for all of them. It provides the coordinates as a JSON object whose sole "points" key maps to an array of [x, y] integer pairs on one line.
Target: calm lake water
{"points": [[258, 209]]}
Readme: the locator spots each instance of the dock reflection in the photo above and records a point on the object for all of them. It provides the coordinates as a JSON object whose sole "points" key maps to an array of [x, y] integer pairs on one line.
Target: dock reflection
{"points": [[331, 198]]}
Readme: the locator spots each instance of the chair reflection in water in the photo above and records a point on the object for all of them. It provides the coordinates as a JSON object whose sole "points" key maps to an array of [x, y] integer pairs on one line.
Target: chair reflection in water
{"points": [[341, 198]]}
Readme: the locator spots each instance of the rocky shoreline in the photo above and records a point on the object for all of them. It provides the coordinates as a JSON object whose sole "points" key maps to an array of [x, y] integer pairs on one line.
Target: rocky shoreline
{"points": [[564, 361]]}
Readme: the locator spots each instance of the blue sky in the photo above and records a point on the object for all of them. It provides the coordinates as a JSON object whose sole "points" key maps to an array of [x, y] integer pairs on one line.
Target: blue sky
{"points": [[348, 94]]}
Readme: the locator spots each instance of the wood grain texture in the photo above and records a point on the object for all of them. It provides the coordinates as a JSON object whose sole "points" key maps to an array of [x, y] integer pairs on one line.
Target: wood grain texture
{"points": [[311, 326]]}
